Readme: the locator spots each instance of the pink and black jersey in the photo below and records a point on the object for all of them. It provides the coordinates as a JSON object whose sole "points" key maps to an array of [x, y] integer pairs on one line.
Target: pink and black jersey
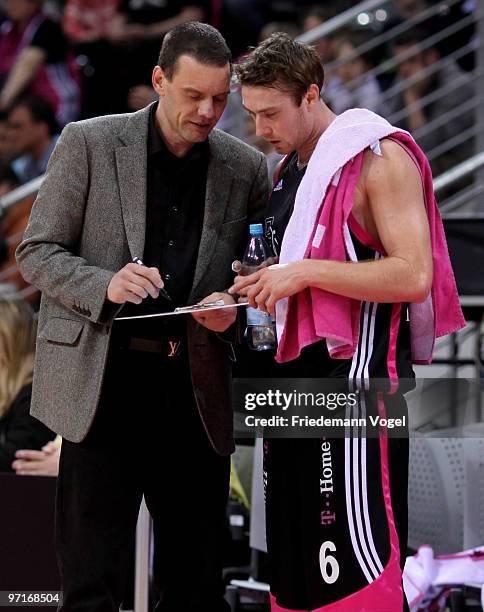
{"points": [[336, 508], [384, 343]]}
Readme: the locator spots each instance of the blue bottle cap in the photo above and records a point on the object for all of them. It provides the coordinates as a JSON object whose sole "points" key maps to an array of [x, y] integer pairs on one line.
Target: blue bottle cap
{"points": [[256, 229]]}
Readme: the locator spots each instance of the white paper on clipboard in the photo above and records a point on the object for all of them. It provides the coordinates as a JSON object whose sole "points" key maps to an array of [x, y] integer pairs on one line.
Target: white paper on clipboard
{"points": [[183, 310]]}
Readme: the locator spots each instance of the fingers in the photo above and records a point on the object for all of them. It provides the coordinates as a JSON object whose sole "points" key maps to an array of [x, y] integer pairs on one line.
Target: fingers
{"points": [[36, 463], [260, 299], [271, 305], [252, 294], [147, 278], [242, 282], [134, 283], [24, 468], [30, 455], [50, 447], [217, 320], [221, 315], [137, 290], [213, 297], [26, 462], [263, 295], [216, 315]]}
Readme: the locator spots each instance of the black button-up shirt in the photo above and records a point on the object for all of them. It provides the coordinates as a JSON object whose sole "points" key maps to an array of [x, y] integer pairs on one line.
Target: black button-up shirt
{"points": [[174, 213], [175, 206]]}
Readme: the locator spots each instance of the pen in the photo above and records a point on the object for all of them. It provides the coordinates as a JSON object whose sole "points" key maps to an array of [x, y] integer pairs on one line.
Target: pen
{"points": [[163, 291]]}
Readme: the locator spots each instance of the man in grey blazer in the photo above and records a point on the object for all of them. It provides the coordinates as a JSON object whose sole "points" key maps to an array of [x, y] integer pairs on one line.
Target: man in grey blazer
{"points": [[143, 405]]}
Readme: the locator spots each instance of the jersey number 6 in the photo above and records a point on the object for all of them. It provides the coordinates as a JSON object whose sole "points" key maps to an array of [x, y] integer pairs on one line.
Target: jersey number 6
{"points": [[328, 562]]}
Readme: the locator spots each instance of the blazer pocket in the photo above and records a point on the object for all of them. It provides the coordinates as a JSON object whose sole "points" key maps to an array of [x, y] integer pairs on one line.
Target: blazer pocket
{"points": [[62, 331], [233, 227]]}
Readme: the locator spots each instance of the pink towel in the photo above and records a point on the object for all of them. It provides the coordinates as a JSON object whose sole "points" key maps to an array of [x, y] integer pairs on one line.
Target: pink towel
{"points": [[321, 232]]}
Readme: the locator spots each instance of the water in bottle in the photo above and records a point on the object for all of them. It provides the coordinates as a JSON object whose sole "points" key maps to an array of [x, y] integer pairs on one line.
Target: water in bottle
{"points": [[261, 326]]}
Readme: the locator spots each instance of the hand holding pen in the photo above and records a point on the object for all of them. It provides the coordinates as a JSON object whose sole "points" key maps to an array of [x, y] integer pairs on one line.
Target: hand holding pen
{"points": [[134, 283], [163, 292]]}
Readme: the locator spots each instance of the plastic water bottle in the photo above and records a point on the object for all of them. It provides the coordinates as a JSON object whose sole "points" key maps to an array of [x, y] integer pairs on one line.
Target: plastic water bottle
{"points": [[261, 326]]}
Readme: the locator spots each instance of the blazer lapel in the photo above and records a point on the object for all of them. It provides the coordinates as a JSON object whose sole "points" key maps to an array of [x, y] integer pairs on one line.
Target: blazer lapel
{"points": [[131, 161], [219, 184]]}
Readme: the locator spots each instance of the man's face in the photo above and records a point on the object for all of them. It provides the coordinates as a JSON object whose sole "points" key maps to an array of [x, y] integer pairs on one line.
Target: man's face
{"points": [[19, 11], [24, 133], [352, 65], [277, 117], [6, 153], [194, 99], [324, 46], [418, 60]]}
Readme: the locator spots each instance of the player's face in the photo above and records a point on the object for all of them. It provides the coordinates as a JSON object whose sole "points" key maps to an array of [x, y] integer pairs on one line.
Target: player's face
{"points": [[194, 99], [277, 117]]}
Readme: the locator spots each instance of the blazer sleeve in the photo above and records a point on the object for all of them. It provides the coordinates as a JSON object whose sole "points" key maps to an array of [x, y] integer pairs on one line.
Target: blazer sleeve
{"points": [[19, 430], [47, 256]]}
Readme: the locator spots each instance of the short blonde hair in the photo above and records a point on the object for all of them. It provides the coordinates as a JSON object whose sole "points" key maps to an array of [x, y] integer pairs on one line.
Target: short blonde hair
{"points": [[17, 347]]}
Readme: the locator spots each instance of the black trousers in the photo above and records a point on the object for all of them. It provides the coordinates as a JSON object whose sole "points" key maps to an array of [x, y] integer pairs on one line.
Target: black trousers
{"points": [[147, 439]]}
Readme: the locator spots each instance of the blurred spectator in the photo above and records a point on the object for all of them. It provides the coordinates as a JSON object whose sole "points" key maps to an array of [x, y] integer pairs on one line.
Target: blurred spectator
{"points": [[13, 226], [451, 88], [35, 60], [8, 179], [17, 342], [87, 24], [356, 88], [33, 131], [148, 20], [137, 31], [44, 462], [243, 21], [314, 17], [289, 28], [3, 246], [6, 153], [87, 21], [407, 10], [3, 243], [140, 96]]}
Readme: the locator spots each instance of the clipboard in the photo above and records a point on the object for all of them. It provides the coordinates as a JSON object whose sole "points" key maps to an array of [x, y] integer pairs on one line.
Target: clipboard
{"points": [[217, 305]]}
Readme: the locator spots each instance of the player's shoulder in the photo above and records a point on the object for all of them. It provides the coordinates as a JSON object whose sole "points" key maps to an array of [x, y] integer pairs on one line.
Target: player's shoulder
{"points": [[392, 150], [390, 163]]}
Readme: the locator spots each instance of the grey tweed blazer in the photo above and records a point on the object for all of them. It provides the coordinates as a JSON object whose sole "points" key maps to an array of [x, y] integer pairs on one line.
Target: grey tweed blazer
{"points": [[87, 222]]}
